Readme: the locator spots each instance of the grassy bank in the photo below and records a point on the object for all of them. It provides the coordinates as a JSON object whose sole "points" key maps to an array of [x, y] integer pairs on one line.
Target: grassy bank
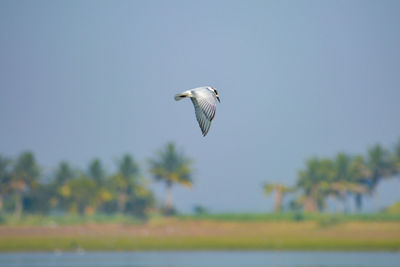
{"points": [[204, 234], [295, 217], [320, 218]]}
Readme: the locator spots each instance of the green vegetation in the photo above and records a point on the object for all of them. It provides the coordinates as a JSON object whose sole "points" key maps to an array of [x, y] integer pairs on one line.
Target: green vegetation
{"points": [[67, 191], [186, 243], [76, 219], [295, 217], [342, 178], [93, 209], [26, 189], [280, 192], [393, 209], [171, 167], [173, 234], [68, 219]]}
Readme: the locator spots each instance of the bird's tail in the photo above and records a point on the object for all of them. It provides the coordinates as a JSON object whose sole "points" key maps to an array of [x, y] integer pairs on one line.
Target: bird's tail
{"points": [[181, 96]]}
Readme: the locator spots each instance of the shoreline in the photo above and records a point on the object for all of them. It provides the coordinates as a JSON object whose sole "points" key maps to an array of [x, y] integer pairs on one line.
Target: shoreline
{"points": [[204, 235]]}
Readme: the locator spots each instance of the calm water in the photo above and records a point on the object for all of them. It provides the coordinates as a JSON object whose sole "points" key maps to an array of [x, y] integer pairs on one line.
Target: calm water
{"points": [[197, 259]]}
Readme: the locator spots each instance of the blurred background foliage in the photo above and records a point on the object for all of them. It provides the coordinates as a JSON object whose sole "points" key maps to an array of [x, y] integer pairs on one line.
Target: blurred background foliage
{"points": [[343, 178], [26, 190]]}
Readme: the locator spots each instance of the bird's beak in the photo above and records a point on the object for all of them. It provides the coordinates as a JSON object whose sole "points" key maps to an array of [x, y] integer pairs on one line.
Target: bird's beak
{"points": [[218, 99]]}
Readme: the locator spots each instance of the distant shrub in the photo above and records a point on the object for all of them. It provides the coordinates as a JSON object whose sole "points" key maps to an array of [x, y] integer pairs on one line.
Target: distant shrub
{"points": [[393, 209], [327, 221], [199, 210], [169, 211], [298, 216]]}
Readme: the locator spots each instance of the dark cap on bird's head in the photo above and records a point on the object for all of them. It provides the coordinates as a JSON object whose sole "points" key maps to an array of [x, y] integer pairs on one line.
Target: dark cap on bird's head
{"points": [[216, 94]]}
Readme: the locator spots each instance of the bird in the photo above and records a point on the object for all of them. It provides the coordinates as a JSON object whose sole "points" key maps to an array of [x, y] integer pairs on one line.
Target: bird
{"points": [[204, 100]]}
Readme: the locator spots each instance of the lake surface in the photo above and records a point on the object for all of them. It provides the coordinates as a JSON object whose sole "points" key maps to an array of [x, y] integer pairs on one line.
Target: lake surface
{"points": [[201, 259]]}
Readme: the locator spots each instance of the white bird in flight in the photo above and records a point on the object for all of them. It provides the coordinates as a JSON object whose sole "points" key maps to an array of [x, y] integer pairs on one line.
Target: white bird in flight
{"points": [[204, 100]]}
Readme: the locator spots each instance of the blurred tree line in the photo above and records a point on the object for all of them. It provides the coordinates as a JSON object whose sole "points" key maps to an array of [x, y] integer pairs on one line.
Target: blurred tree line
{"points": [[25, 188], [343, 178]]}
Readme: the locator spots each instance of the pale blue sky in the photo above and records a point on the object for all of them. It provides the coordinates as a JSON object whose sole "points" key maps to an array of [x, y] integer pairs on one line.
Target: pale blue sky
{"points": [[84, 79]]}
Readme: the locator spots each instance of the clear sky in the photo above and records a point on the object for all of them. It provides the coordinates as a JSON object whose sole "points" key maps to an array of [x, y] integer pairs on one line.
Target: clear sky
{"points": [[84, 79]]}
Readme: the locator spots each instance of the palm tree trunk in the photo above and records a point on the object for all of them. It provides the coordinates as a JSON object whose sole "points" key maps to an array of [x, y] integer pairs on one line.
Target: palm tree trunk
{"points": [[278, 199], [310, 204], [343, 205], [375, 201], [358, 200], [342, 200], [121, 202], [168, 196], [1, 203], [18, 205]]}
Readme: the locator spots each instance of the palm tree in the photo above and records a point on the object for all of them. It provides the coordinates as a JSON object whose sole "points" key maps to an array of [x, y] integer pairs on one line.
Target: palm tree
{"points": [[5, 177], [96, 171], [314, 181], [125, 180], [360, 175], [379, 164], [341, 183], [62, 175], [280, 192], [396, 158], [171, 166], [340, 178], [24, 175], [80, 194]]}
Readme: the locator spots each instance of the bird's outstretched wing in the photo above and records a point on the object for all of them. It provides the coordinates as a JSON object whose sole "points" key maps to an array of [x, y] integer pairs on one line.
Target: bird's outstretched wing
{"points": [[204, 107]]}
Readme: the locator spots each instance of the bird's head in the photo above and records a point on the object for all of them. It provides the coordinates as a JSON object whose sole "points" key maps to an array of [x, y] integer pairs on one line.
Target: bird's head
{"points": [[216, 93]]}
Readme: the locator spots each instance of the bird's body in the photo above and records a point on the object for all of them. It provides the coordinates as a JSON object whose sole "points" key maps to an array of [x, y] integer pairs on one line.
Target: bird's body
{"points": [[204, 100]]}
